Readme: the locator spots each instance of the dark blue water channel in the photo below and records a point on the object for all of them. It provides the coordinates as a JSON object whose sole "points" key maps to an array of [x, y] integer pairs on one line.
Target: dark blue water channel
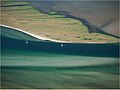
{"points": [[104, 50]]}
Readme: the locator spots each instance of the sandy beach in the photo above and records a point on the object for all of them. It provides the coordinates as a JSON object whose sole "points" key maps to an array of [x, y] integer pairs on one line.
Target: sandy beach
{"points": [[33, 35], [44, 38]]}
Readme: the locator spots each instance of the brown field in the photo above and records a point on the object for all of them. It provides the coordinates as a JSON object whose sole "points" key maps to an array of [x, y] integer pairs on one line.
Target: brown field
{"points": [[48, 25]]}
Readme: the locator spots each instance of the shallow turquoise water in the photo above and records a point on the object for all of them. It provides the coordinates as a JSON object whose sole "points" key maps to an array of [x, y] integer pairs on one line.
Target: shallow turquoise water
{"points": [[25, 69], [45, 64]]}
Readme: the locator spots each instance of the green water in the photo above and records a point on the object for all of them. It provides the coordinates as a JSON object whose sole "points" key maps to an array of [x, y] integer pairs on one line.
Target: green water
{"points": [[29, 69], [45, 64]]}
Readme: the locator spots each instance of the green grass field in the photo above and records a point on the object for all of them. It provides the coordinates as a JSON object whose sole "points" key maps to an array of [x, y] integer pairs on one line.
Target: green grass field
{"points": [[49, 25]]}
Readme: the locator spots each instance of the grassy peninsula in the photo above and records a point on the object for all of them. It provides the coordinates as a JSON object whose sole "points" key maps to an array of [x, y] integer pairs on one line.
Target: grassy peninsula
{"points": [[52, 25]]}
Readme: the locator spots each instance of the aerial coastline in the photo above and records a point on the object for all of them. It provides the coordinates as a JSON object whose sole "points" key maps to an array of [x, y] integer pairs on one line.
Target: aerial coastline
{"points": [[50, 50], [44, 38], [49, 26]]}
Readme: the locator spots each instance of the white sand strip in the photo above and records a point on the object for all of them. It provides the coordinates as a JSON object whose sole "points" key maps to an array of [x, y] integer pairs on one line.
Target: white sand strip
{"points": [[33, 35], [44, 38]]}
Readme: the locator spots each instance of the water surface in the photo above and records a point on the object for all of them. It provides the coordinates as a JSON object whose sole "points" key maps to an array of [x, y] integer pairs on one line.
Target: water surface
{"points": [[45, 64]]}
